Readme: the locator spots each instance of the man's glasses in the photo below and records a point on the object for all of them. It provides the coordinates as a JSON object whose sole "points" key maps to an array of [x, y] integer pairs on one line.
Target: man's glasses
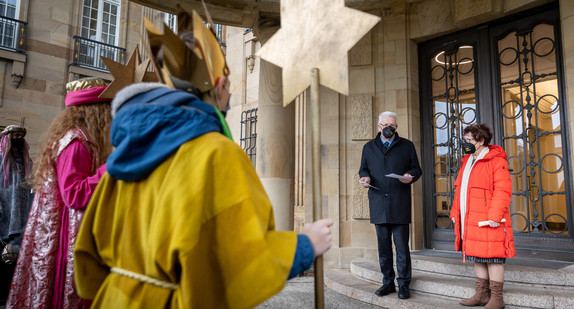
{"points": [[388, 125]]}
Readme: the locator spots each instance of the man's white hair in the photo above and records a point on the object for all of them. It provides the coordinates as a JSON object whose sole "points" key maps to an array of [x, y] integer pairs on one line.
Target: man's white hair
{"points": [[387, 114]]}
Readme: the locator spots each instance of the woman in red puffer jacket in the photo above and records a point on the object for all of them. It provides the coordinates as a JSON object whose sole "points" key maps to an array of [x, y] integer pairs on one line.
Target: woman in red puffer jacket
{"points": [[483, 191]]}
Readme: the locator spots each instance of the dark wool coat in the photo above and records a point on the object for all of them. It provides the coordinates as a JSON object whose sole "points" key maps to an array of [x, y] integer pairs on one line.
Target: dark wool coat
{"points": [[392, 203]]}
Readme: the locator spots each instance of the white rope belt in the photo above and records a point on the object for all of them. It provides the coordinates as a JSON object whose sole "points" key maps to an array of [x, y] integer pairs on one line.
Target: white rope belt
{"points": [[143, 278]]}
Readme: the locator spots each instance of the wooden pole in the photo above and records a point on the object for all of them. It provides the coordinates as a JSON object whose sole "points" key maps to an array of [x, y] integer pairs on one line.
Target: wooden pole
{"points": [[316, 162]]}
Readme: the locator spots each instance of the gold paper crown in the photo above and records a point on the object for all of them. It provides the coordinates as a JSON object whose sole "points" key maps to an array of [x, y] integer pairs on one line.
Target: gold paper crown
{"points": [[84, 83], [201, 65]]}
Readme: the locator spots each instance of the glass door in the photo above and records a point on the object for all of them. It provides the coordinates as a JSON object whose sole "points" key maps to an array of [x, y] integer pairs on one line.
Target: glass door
{"points": [[508, 76]]}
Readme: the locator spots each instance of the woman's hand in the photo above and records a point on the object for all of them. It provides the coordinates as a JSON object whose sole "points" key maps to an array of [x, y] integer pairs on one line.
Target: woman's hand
{"points": [[493, 223]]}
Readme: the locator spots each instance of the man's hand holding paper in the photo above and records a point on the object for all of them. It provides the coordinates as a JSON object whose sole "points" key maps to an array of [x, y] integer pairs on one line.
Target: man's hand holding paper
{"points": [[406, 178], [366, 182]]}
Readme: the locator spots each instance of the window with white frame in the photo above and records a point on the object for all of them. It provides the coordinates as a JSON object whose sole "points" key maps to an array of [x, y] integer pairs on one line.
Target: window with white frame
{"points": [[100, 20], [171, 22], [9, 8], [8, 28], [100, 24]]}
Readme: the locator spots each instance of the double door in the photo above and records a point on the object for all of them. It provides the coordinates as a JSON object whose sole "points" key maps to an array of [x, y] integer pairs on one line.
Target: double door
{"points": [[508, 75]]}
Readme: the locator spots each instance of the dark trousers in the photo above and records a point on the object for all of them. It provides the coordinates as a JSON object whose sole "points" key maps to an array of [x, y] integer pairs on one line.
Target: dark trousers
{"points": [[6, 273], [400, 234]]}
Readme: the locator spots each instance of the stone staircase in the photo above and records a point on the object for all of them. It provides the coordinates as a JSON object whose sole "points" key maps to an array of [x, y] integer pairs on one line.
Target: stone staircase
{"points": [[440, 280]]}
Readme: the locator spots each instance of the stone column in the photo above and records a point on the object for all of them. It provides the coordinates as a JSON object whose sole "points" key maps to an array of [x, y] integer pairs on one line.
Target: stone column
{"points": [[275, 142]]}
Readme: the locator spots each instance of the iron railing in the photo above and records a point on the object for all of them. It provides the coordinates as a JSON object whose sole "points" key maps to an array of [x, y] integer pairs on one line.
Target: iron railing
{"points": [[87, 53], [249, 133], [13, 34]]}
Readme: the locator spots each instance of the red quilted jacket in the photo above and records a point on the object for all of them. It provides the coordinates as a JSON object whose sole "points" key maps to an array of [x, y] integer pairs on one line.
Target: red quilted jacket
{"points": [[488, 198]]}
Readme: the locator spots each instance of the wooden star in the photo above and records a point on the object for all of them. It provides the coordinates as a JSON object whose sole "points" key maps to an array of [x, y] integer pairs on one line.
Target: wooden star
{"points": [[315, 34], [135, 71]]}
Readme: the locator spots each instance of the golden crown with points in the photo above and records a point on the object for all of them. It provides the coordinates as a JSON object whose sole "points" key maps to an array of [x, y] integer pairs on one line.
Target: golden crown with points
{"points": [[201, 65]]}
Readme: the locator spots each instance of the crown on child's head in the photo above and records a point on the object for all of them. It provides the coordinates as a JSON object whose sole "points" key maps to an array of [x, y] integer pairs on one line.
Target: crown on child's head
{"points": [[196, 60], [194, 56]]}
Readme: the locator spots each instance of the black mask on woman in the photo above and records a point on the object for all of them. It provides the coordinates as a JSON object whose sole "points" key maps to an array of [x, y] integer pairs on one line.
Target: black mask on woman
{"points": [[468, 148], [388, 132]]}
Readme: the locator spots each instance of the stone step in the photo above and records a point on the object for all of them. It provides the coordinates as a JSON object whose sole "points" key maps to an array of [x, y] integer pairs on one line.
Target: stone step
{"points": [[518, 271], [343, 282], [449, 284]]}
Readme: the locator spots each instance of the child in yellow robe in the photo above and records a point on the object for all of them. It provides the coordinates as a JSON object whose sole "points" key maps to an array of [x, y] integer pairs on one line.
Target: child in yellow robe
{"points": [[181, 219]]}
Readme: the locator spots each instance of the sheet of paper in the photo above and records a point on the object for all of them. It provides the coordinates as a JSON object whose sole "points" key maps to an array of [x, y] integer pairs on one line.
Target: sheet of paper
{"points": [[369, 185], [393, 175]]}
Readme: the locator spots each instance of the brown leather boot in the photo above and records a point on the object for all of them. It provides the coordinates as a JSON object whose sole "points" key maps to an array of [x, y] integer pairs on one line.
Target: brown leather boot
{"points": [[480, 297], [496, 300]]}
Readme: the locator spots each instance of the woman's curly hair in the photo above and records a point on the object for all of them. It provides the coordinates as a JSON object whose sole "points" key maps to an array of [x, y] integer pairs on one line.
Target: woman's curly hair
{"points": [[93, 119], [479, 131]]}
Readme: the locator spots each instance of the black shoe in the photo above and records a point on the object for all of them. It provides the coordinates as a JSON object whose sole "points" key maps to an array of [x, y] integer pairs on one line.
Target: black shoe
{"points": [[404, 292], [385, 290]]}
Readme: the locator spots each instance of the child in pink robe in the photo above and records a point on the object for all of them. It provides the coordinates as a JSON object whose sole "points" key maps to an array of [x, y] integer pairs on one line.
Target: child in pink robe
{"points": [[71, 163], [76, 184]]}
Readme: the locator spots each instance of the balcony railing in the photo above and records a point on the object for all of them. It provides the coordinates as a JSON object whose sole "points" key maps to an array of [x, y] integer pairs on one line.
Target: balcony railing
{"points": [[13, 34], [87, 53]]}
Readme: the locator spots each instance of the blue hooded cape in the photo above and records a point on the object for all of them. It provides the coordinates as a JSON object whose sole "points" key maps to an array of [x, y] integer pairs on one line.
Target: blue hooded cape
{"points": [[150, 126]]}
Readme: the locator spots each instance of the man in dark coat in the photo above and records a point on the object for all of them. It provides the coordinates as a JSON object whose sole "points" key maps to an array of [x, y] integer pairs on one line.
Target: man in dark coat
{"points": [[390, 199]]}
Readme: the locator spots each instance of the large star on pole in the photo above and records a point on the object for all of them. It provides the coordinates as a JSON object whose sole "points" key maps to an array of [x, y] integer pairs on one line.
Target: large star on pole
{"points": [[315, 34]]}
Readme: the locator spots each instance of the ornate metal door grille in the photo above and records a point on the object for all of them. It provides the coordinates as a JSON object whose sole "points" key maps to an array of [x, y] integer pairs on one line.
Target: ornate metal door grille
{"points": [[533, 129], [514, 84], [454, 107]]}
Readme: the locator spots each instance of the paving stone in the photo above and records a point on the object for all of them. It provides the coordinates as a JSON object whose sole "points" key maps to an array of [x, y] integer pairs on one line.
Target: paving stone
{"points": [[299, 293]]}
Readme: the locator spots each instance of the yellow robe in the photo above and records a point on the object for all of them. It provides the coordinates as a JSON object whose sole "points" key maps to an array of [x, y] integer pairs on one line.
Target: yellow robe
{"points": [[201, 220]]}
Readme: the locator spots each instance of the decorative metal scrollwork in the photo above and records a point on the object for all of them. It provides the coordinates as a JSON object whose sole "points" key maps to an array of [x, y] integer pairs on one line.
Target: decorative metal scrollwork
{"points": [[454, 99], [532, 121]]}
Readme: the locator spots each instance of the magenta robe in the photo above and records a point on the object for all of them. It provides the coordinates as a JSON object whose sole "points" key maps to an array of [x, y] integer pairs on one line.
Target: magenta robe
{"points": [[44, 274]]}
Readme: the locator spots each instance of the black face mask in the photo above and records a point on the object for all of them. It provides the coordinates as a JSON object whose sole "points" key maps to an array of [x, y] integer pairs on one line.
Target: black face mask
{"points": [[18, 143], [468, 148], [388, 132], [224, 113]]}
